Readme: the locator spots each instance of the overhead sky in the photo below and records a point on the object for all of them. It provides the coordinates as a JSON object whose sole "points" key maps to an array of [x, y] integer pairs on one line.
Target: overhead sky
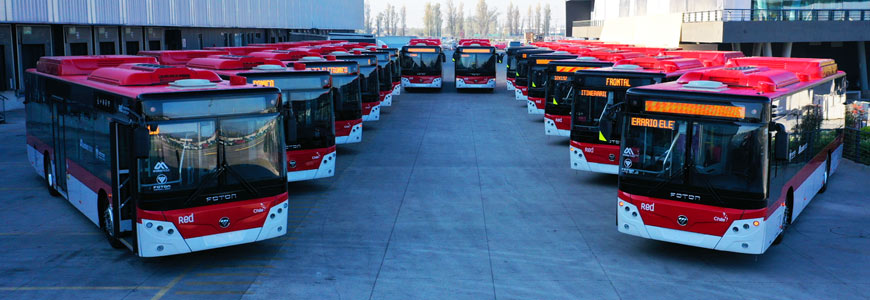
{"points": [[415, 8]]}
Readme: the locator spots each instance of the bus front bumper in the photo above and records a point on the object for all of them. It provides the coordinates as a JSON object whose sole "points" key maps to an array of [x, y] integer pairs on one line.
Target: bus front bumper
{"points": [[585, 158], [310, 164], [520, 95], [557, 125], [742, 235], [535, 105], [371, 111], [397, 88], [386, 99], [461, 84], [348, 132], [434, 84], [510, 85], [162, 238]]}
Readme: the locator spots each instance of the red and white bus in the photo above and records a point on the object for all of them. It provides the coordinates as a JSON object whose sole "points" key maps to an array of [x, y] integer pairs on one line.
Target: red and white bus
{"points": [[560, 92], [538, 80], [369, 83], [598, 88], [727, 158], [421, 63], [511, 65], [347, 98], [165, 160], [521, 78], [385, 75], [474, 64], [395, 71], [309, 122]]}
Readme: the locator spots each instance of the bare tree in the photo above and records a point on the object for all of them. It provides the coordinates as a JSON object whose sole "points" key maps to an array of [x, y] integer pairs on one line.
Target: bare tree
{"points": [[404, 15], [394, 20], [451, 18], [509, 22], [529, 21], [460, 20], [427, 19], [546, 20], [380, 21], [437, 18], [367, 16], [537, 27]]}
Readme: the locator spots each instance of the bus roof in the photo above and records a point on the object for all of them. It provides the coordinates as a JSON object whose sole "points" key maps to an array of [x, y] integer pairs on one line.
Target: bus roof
{"points": [[667, 66], [243, 50], [129, 76], [769, 77], [543, 59], [179, 57], [580, 62], [283, 55], [708, 58]]}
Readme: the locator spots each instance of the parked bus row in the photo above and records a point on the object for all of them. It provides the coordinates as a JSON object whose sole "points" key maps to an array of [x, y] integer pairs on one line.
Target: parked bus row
{"points": [[177, 151], [712, 149], [474, 62]]}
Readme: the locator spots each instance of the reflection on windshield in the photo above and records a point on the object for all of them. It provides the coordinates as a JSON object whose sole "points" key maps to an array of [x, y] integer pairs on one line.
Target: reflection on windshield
{"points": [[476, 62], [252, 148], [181, 155], [347, 100], [415, 63], [589, 106], [560, 97], [720, 156], [311, 124]]}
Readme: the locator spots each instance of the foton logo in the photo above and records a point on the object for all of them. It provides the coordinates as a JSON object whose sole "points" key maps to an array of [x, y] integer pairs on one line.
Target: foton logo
{"points": [[681, 196], [221, 197], [648, 206], [185, 219]]}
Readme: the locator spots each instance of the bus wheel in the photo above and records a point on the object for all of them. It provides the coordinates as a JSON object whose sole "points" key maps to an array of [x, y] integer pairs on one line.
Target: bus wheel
{"points": [[827, 173], [107, 222], [49, 177]]}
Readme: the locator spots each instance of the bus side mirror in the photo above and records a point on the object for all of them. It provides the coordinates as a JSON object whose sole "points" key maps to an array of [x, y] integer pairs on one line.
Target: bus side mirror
{"points": [[141, 142], [780, 146], [443, 57], [500, 57]]}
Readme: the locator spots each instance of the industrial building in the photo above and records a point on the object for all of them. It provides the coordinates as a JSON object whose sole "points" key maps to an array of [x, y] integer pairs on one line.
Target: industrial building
{"points": [[30, 29], [836, 29]]}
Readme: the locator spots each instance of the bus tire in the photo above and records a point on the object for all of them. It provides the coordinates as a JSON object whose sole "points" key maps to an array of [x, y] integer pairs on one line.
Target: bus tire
{"points": [[49, 177], [786, 222], [826, 175], [106, 221]]}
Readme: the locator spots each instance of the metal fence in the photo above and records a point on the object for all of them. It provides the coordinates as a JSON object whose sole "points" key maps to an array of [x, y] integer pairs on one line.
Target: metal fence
{"points": [[750, 15], [856, 145]]}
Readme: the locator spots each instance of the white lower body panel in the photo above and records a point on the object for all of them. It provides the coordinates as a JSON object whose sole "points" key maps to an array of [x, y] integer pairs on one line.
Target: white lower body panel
{"points": [[435, 84], [510, 85], [167, 241], [388, 100], [551, 129], [326, 169], [374, 115], [355, 136], [533, 109], [579, 162], [460, 84], [518, 94]]}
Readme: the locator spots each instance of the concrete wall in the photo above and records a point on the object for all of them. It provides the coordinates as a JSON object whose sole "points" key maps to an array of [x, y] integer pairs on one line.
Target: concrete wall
{"points": [[576, 10], [590, 32]]}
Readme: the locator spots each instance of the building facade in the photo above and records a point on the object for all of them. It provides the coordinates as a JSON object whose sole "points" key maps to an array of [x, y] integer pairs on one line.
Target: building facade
{"points": [[837, 29], [30, 29]]}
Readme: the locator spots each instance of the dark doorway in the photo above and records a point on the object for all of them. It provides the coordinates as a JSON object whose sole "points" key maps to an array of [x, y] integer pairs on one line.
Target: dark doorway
{"points": [[132, 47], [3, 79], [78, 48], [173, 39], [30, 54], [107, 48], [154, 45]]}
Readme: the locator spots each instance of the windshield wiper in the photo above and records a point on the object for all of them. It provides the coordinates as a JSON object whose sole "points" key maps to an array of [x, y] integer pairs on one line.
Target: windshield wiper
{"points": [[207, 179], [710, 188], [247, 185]]}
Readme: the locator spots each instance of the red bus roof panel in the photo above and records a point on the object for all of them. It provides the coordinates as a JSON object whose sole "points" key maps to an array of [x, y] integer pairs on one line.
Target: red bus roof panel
{"points": [[84, 65], [147, 74], [179, 57]]}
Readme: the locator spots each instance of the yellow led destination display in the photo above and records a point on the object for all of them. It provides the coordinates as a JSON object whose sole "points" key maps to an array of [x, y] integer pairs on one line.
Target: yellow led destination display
{"points": [[621, 82], [654, 123], [332, 70], [427, 50], [560, 78], [543, 61], [476, 50], [727, 111], [591, 93], [264, 82]]}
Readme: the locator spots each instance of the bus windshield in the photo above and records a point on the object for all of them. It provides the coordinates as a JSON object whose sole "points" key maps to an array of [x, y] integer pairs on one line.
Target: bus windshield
{"points": [[187, 155], [370, 83], [589, 105], [710, 156], [421, 63], [538, 76], [311, 124], [347, 100], [560, 95], [385, 79], [483, 63]]}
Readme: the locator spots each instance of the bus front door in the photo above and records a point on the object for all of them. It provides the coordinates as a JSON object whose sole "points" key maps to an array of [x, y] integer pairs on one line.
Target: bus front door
{"points": [[123, 204], [58, 137]]}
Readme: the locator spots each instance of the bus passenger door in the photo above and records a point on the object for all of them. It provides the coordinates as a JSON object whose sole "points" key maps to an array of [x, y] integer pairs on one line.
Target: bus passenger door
{"points": [[59, 143], [122, 179]]}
